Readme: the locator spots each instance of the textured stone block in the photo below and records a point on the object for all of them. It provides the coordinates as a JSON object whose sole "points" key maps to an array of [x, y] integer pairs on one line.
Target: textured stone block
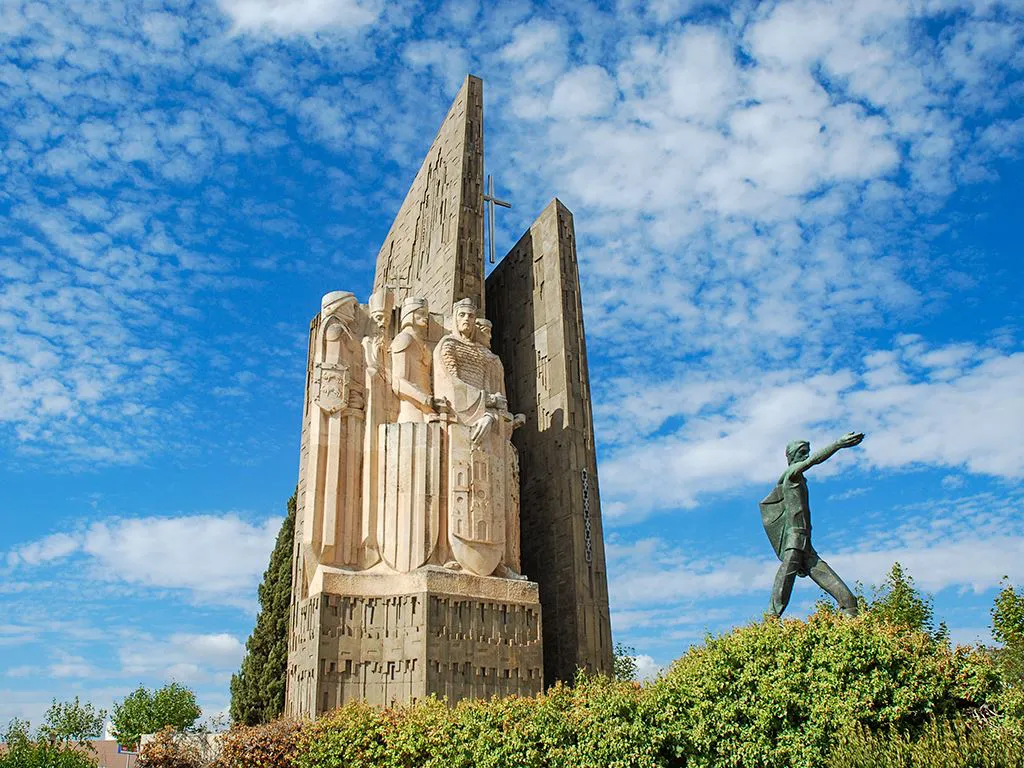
{"points": [[391, 638]]}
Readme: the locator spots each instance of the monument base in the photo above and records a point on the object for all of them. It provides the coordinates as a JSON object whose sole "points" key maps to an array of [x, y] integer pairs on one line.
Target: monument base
{"points": [[390, 638]]}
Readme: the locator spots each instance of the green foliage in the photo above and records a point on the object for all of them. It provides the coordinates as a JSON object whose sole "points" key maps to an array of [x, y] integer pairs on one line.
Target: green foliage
{"points": [[955, 743], [900, 603], [145, 711], [350, 737], [22, 752], [70, 722], [885, 689], [257, 691], [598, 722], [624, 662], [774, 694], [1008, 629]]}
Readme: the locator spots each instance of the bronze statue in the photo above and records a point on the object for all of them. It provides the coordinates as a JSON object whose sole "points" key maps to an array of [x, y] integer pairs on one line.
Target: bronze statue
{"points": [[786, 515]]}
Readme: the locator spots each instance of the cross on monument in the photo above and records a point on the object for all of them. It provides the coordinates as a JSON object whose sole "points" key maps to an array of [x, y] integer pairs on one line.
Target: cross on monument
{"points": [[489, 202]]}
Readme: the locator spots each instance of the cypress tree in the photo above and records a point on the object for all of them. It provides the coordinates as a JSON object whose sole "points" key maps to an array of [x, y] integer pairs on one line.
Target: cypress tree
{"points": [[257, 691]]}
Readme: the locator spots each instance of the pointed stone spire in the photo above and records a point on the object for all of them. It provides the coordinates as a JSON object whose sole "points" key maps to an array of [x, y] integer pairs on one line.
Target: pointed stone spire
{"points": [[435, 246]]}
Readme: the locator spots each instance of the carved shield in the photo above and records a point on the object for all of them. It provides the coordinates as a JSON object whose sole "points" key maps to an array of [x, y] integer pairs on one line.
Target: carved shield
{"points": [[331, 385], [408, 493], [477, 500]]}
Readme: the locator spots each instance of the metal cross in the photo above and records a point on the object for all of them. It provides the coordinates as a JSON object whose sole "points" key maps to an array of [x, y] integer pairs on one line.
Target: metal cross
{"points": [[489, 202]]}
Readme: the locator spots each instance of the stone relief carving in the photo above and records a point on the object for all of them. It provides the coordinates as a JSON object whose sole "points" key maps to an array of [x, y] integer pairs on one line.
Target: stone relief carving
{"points": [[409, 439]]}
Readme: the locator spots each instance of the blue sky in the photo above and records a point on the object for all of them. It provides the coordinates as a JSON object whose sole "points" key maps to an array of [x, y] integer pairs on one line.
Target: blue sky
{"points": [[794, 219]]}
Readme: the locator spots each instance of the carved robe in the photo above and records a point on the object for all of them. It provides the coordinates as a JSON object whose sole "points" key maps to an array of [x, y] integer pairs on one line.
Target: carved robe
{"points": [[409, 462], [332, 512], [480, 457], [379, 410]]}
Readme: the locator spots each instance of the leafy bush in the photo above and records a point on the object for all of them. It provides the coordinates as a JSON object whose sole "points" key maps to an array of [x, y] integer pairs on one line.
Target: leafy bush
{"points": [[954, 743], [883, 689], [145, 711], [260, 746], [71, 722], [23, 752], [775, 693], [597, 722], [349, 737]]}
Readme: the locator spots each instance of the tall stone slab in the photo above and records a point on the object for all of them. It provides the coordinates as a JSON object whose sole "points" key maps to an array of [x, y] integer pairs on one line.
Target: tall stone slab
{"points": [[533, 299], [435, 246]]}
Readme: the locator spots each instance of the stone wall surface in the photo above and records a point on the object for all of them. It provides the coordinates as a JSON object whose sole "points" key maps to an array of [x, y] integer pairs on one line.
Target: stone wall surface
{"points": [[534, 300]]}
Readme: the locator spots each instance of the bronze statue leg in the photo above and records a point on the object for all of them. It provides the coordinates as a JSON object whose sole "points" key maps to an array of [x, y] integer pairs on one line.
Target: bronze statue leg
{"points": [[829, 581], [789, 569]]}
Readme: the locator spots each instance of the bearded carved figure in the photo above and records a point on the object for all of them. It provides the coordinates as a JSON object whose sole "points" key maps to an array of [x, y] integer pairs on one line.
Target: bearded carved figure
{"points": [[482, 503]]}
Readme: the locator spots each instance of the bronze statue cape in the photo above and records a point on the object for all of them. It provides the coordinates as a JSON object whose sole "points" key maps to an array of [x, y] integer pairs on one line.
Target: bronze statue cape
{"points": [[773, 517]]}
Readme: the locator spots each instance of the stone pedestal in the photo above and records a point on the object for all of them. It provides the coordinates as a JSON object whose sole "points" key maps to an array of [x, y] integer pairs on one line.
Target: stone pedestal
{"points": [[388, 638]]}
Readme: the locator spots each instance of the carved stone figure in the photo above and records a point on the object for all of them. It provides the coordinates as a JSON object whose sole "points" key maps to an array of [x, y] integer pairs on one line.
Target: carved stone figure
{"points": [[333, 504], [380, 409], [461, 373], [481, 457], [410, 364], [786, 515]]}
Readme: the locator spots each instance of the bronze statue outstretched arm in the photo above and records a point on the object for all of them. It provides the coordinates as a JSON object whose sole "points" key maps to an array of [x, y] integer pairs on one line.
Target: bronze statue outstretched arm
{"points": [[848, 440]]}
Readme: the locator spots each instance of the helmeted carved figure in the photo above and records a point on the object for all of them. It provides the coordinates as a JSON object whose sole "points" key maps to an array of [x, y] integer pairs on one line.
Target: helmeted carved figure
{"points": [[381, 407], [409, 466], [786, 516], [410, 364], [333, 504]]}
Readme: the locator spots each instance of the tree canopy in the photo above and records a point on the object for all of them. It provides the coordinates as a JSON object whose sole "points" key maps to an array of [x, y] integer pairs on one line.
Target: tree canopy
{"points": [[146, 711]]}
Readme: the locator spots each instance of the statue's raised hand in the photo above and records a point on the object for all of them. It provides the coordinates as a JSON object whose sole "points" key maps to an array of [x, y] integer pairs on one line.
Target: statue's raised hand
{"points": [[850, 439]]}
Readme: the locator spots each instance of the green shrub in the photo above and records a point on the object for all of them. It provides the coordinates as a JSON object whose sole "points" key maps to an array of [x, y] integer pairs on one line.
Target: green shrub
{"points": [[611, 726], [22, 752], [954, 743], [349, 737], [774, 694]]}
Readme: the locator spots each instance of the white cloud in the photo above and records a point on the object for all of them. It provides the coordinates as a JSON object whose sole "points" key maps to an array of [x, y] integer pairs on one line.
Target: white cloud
{"points": [[449, 61], [583, 92], [221, 649], [918, 406], [292, 17], [646, 667], [205, 554], [53, 547], [215, 558], [70, 665], [186, 658]]}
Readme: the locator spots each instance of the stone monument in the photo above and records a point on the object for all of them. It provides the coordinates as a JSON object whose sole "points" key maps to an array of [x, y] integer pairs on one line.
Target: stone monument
{"points": [[786, 516], [420, 447]]}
